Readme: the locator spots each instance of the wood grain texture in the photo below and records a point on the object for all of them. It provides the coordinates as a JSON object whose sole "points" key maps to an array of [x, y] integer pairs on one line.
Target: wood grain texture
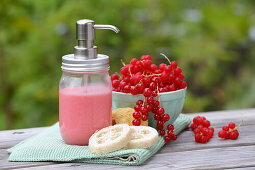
{"points": [[10, 138], [184, 153]]}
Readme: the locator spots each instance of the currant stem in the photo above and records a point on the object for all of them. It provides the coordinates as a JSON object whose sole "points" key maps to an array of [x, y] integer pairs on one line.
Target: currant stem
{"points": [[122, 62], [165, 127], [118, 74], [152, 75], [158, 96], [139, 82], [166, 57], [129, 71], [144, 101]]}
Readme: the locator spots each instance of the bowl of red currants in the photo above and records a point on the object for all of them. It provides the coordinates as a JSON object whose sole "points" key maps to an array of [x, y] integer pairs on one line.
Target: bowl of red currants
{"points": [[157, 93]]}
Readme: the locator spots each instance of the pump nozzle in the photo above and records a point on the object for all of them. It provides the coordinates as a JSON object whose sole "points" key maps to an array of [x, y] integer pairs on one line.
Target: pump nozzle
{"points": [[109, 27], [85, 34]]}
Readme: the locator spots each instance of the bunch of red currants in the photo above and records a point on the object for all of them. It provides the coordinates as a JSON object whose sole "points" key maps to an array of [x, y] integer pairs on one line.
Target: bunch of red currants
{"points": [[229, 132], [202, 130], [143, 77]]}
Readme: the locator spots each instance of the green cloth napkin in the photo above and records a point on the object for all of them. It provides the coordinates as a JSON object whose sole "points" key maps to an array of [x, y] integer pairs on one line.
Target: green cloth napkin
{"points": [[49, 146]]}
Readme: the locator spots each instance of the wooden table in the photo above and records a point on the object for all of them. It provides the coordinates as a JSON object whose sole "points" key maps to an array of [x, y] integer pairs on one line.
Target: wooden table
{"points": [[184, 153]]}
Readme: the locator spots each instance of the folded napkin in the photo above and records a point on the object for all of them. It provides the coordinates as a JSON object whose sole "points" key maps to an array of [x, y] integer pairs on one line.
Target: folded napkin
{"points": [[49, 146]]}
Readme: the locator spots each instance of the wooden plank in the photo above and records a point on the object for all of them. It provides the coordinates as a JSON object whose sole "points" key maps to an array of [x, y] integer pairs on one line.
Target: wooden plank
{"points": [[10, 138], [5, 164], [215, 158]]}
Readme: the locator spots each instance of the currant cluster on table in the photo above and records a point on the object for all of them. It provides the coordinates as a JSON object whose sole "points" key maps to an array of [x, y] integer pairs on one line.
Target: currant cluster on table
{"points": [[229, 132], [202, 130], [143, 77]]}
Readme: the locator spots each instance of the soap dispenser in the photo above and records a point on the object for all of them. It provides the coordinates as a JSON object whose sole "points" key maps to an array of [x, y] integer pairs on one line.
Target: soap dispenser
{"points": [[85, 91]]}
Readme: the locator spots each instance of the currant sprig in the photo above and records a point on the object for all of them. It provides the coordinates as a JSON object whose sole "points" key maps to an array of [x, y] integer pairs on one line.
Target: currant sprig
{"points": [[230, 131]]}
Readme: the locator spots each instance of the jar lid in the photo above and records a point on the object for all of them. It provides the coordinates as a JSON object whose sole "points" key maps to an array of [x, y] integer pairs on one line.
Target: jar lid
{"points": [[69, 62]]}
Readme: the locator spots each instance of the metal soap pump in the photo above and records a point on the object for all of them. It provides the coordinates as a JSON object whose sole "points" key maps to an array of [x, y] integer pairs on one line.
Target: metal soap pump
{"points": [[85, 91], [85, 51]]}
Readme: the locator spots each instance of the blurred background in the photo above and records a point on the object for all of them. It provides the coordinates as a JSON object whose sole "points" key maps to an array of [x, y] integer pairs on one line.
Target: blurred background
{"points": [[212, 41]]}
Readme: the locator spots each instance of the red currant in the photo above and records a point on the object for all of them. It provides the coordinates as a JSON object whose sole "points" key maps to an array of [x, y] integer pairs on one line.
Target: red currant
{"points": [[210, 133], [160, 125], [124, 70], [198, 137], [162, 66], [174, 64], [148, 107], [161, 110], [144, 117], [233, 135], [170, 127], [156, 103], [136, 115], [153, 68], [139, 102], [147, 64], [170, 133], [172, 87], [165, 117], [168, 69], [136, 122], [143, 109], [133, 61], [167, 139], [222, 134], [150, 100], [181, 76], [153, 86], [206, 123], [154, 94], [162, 133], [204, 139], [115, 83], [193, 126], [197, 130], [231, 125], [147, 92], [134, 90], [226, 128], [140, 87], [157, 117], [177, 81], [115, 77], [137, 108], [183, 85], [177, 71], [174, 137]]}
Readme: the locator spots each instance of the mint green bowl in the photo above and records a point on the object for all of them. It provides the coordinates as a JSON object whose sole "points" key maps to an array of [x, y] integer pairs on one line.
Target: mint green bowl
{"points": [[172, 102]]}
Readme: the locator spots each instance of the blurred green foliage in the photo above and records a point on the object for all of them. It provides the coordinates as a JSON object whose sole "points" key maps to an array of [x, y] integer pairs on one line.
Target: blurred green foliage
{"points": [[213, 41]]}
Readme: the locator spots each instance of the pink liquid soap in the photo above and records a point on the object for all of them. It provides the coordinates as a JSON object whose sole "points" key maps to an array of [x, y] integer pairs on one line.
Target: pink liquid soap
{"points": [[82, 111]]}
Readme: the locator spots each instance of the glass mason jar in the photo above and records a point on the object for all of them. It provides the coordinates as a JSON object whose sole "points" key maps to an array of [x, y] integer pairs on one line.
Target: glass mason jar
{"points": [[85, 103]]}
